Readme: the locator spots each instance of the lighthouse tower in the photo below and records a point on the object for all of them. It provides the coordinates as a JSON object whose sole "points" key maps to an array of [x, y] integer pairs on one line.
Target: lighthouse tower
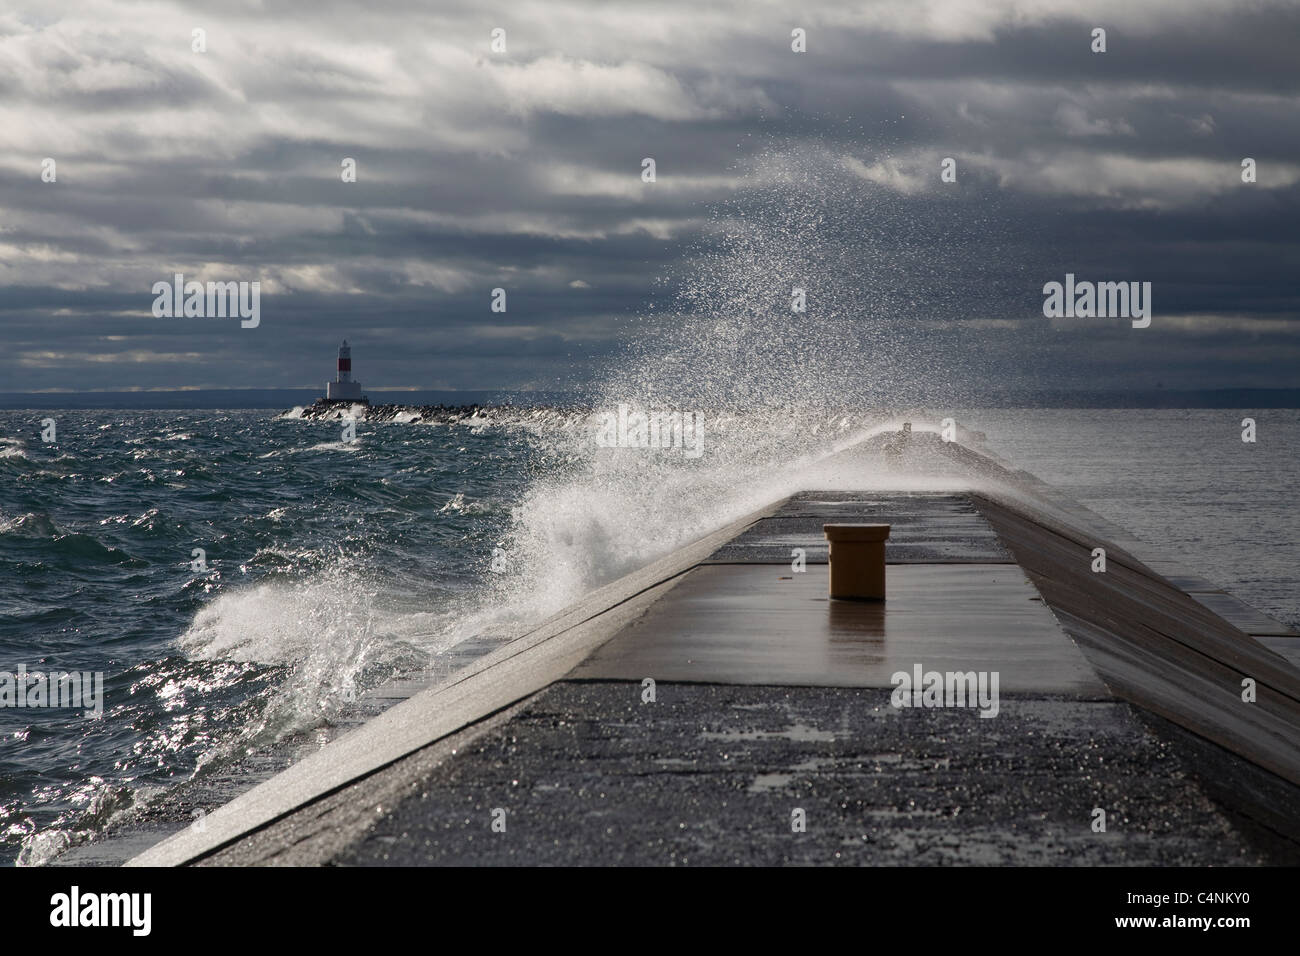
{"points": [[343, 389]]}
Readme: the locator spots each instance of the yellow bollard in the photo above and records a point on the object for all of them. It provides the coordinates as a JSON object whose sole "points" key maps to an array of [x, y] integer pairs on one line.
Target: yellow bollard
{"points": [[857, 560]]}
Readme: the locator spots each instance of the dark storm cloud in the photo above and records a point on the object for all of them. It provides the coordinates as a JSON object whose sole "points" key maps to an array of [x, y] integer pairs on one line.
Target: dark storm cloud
{"points": [[522, 170]]}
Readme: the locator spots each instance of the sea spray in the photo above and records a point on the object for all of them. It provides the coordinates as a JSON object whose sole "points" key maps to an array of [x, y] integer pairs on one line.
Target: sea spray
{"points": [[777, 388]]}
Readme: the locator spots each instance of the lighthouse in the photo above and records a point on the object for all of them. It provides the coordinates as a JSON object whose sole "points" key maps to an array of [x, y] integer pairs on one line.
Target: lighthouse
{"points": [[343, 389]]}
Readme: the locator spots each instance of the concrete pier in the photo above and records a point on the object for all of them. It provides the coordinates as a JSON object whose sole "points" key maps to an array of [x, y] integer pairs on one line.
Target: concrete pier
{"points": [[718, 708]]}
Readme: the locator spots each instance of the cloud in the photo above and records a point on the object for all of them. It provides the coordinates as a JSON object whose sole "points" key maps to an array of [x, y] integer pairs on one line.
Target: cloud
{"points": [[477, 170], [557, 84], [1135, 181], [1076, 122]]}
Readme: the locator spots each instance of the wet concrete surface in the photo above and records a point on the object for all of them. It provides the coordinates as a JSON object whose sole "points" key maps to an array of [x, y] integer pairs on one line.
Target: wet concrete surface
{"points": [[1241, 615], [751, 624], [1183, 664], [1287, 648], [924, 528], [588, 774], [553, 731]]}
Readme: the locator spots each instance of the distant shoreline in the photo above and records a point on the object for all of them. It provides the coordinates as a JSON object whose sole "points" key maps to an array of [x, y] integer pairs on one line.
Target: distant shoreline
{"points": [[282, 399]]}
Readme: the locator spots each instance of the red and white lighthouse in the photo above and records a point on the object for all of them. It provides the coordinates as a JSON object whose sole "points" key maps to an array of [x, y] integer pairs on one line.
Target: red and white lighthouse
{"points": [[343, 389]]}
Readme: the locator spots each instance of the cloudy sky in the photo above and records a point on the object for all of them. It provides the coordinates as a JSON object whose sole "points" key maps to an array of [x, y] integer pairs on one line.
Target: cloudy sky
{"points": [[522, 170]]}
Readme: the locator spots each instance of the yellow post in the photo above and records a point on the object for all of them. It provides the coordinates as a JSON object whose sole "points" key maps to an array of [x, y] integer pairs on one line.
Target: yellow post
{"points": [[857, 560]]}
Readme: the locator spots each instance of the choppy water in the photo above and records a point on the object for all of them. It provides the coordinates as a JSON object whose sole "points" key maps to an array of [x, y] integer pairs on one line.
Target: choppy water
{"points": [[330, 566], [333, 566], [1180, 479]]}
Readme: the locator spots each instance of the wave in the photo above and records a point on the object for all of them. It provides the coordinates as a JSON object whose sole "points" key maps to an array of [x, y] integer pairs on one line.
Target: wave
{"points": [[337, 632], [30, 525], [775, 395], [14, 450]]}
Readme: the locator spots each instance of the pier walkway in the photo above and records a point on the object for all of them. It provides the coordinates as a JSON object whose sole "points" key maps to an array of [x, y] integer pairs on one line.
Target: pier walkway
{"points": [[770, 735]]}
